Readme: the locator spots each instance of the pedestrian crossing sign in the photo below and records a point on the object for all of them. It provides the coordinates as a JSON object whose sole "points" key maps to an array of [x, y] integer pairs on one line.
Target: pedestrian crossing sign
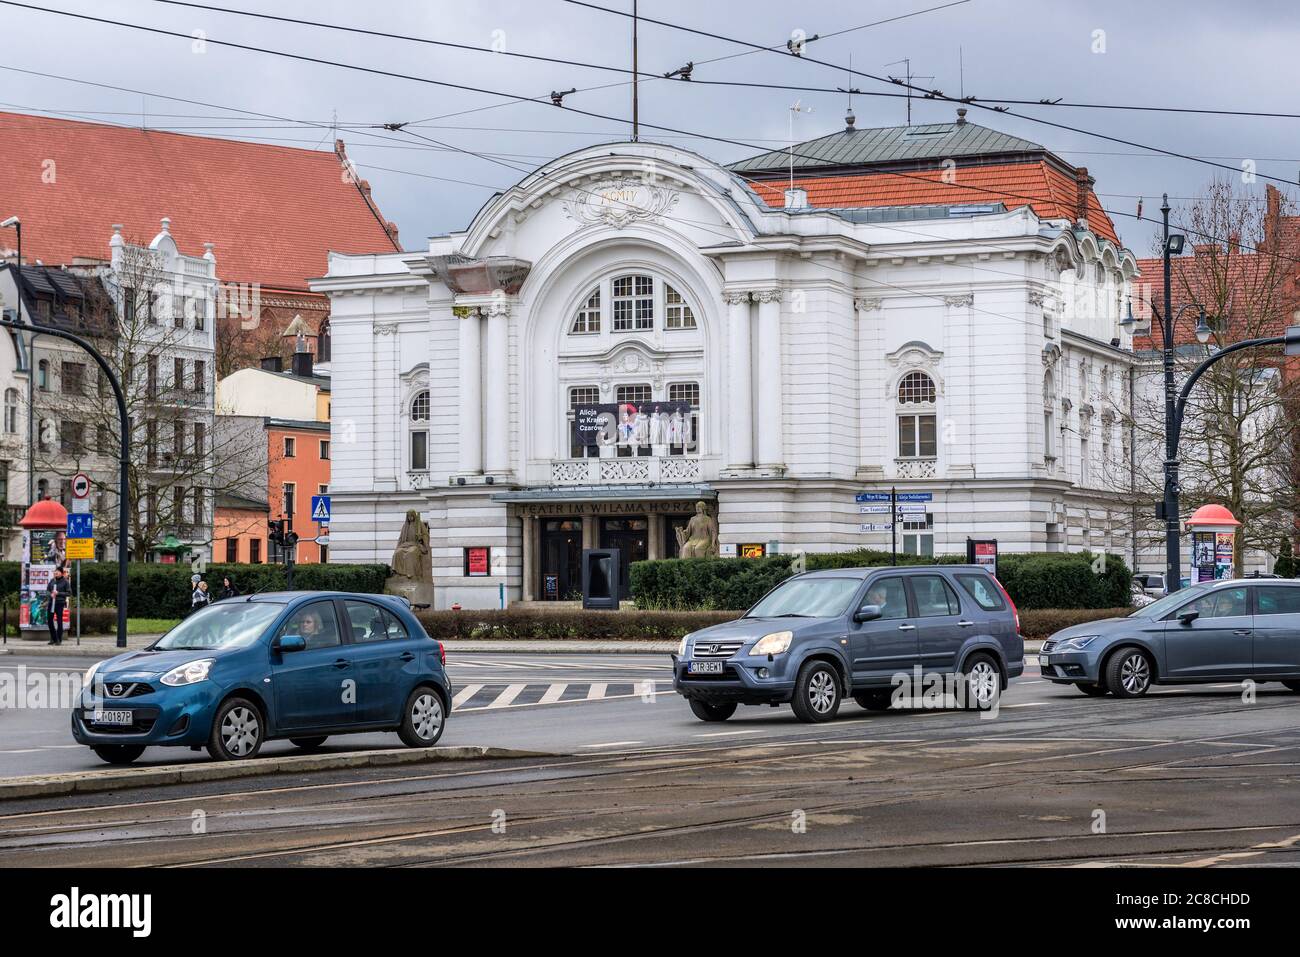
{"points": [[320, 509]]}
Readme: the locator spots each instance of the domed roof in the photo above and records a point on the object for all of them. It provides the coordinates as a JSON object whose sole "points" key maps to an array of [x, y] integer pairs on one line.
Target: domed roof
{"points": [[45, 514], [1212, 515]]}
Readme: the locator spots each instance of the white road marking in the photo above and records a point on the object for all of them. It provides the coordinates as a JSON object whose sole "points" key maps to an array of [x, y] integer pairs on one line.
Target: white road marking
{"points": [[552, 694], [464, 695], [597, 690], [1026, 704], [723, 734], [612, 744], [510, 694]]}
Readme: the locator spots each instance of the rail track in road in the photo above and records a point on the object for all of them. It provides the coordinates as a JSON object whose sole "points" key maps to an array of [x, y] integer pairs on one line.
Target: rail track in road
{"points": [[885, 784]]}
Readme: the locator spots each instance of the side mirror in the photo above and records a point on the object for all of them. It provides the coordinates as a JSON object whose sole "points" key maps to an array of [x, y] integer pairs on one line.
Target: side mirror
{"points": [[867, 613], [1187, 617], [287, 643]]}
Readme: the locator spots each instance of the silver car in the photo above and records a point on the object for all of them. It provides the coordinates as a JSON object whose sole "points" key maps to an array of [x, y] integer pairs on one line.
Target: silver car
{"points": [[1213, 631]]}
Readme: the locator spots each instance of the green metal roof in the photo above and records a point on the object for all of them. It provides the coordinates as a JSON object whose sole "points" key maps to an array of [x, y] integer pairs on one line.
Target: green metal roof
{"points": [[890, 144]]}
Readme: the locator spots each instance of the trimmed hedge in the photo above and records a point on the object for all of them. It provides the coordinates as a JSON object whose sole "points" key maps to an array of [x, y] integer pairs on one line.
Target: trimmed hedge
{"points": [[1050, 580], [155, 590], [1040, 623], [522, 625]]}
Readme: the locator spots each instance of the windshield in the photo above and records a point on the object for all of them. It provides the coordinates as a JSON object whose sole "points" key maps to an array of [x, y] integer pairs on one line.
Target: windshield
{"points": [[223, 625], [1171, 601], [807, 598]]}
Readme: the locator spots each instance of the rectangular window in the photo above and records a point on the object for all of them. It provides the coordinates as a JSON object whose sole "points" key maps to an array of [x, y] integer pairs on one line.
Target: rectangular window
{"points": [[179, 305], [918, 537], [74, 378], [178, 374], [200, 440], [324, 450], [200, 313], [290, 447], [419, 450], [581, 395], [634, 303], [151, 442], [198, 507], [289, 493], [72, 437], [200, 376], [637, 395], [232, 551], [917, 437], [178, 439], [151, 383], [255, 551], [128, 303], [178, 505]]}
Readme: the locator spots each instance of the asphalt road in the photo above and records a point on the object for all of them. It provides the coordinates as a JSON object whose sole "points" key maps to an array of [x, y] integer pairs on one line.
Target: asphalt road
{"points": [[1187, 776]]}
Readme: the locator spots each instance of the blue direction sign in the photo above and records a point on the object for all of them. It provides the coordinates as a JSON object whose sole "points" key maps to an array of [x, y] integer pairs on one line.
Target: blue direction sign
{"points": [[901, 497], [320, 509], [81, 525]]}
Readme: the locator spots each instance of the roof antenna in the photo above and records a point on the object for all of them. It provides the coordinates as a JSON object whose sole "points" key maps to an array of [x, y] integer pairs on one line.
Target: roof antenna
{"points": [[797, 108], [849, 118], [906, 82], [961, 73]]}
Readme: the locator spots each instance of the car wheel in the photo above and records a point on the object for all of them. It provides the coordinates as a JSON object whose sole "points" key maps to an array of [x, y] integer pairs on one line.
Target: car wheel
{"points": [[878, 700], [712, 712], [118, 753], [1293, 685], [1093, 691], [423, 719], [1128, 673], [983, 681], [816, 692], [237, 731], [308, 744]]}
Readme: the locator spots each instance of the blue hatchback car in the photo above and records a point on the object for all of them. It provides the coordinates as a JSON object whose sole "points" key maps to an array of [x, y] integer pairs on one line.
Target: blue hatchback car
{"points": [[296, 665]]}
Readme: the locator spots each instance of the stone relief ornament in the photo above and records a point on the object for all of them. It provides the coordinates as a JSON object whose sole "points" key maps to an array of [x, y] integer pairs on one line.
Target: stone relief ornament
{"points": [[619, 202], [957, 302]]}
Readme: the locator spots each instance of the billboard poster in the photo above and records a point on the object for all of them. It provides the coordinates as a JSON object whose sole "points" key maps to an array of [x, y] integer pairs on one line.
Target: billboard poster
{"points": [[629, 425], [477, 561], [1204, 557], [753, 551], [43, 551]]}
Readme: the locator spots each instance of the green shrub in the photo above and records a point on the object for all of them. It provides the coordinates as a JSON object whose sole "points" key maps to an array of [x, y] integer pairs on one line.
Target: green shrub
{"points": [[1040, 623], [1066, 580], [706, 583]]}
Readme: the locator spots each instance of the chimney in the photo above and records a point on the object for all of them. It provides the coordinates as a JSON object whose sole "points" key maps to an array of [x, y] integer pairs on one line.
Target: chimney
{"points": [[961, 116], [1204, 249], [301, 358], [272, 364], [1273, 217], [1082, 187], [796, 197]]}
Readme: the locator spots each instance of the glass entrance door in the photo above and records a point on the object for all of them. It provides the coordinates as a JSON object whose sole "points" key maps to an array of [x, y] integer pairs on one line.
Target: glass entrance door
{"points": [[561, 559], [631, 537]]}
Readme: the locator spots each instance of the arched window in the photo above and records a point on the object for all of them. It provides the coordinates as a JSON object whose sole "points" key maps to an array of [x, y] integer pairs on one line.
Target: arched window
{"points": [[419, 457], [588, 317], [916, 387], [677, 314], [11, 411], [634, 303], [323, 344], [918, 436]]}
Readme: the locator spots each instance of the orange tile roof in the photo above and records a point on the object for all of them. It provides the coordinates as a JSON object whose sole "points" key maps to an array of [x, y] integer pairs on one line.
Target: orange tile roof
{"points": [[274, 212], [1047, 190]]}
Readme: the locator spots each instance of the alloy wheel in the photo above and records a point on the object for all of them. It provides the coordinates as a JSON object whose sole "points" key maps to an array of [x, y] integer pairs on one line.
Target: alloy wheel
{"points": [[982, 682], [1135, 673], [240, 730], [821, 692], [426, 716]]}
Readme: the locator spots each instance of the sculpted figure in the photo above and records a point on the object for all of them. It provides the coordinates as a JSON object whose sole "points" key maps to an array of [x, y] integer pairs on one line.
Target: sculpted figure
{"points": [[700, 537]]}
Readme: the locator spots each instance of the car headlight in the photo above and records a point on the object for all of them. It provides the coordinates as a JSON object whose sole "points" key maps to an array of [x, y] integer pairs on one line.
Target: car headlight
{"points": [[1075, 644], [189, 673], [89, 676], [681, 648], [776, 643]]}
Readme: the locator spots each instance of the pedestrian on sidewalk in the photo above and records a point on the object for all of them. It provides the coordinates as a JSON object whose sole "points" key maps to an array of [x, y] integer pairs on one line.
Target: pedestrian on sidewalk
{"points": [[57, 595], [199, 598], [228, 589]]}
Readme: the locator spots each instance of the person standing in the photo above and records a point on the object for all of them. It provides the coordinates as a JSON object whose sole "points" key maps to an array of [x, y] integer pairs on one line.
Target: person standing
{"points": [[228, 589], [199, 598], [57, 592]]}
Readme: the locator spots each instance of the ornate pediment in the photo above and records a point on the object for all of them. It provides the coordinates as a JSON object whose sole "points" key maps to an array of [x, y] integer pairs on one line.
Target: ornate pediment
{"points": [[619, 202]]}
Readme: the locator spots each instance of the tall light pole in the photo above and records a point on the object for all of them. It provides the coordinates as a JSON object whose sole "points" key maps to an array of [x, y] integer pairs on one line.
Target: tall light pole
{"points": [[17, 225]]}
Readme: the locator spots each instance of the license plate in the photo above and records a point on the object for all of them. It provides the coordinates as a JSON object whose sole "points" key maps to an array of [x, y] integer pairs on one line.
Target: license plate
{"points": [[112, 717], [704, 668]]}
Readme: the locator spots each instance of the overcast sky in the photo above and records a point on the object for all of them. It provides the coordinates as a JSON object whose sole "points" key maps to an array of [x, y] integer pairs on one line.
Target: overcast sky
{"points": [[1201, 53]]}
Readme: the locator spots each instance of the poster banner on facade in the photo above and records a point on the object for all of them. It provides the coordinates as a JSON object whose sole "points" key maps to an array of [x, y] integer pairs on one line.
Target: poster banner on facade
{"points": [[630, 425], [753, 551], [477, 561]]}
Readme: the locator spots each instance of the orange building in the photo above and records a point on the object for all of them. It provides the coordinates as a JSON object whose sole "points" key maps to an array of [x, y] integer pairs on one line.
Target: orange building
{"points": [[299, 456]]}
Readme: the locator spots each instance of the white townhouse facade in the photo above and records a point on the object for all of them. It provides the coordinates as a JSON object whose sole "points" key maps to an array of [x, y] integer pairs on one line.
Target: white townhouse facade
{"points": [[632, 329]]}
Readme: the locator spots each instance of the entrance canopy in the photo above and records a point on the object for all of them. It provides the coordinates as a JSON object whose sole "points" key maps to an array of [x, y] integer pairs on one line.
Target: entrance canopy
{"points": [[647, 494]]}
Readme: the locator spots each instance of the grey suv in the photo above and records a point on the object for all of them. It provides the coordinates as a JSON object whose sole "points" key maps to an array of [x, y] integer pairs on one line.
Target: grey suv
{"points": [[1214, 631], [817, 637]]}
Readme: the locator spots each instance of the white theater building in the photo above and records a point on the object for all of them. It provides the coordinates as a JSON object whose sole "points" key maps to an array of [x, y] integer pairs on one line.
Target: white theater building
{"points": [[634, 328]]}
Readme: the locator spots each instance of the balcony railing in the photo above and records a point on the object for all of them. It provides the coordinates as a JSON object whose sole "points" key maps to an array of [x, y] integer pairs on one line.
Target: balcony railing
{"points": [[916, 468], [631, 470]]}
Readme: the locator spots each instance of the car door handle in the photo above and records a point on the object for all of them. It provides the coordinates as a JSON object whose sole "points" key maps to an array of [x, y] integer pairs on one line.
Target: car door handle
{"points": [[1243, 631], [907, 627], [406, 656], [964, 624], [341, 663]]}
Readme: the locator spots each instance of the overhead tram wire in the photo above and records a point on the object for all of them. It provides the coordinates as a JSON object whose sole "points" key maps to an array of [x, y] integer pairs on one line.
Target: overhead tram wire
{"points": [[540, 100]]}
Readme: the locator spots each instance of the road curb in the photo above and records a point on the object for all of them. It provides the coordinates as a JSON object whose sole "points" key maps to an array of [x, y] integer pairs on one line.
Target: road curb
{"points": [[88, 782]]}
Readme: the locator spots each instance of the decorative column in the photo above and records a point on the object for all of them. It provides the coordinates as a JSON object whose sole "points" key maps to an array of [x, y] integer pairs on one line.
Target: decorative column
{"points": [[740, 423], [528, 544], [496, 400], [470, 383], [871, 348], [770, 397]]}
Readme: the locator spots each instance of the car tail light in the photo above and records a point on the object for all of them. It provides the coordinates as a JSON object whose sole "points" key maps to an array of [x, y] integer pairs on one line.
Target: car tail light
{"points": [[1014, 610], [442, 649]]}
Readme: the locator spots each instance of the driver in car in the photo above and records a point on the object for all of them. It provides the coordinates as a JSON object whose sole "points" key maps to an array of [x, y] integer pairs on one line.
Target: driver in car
{"points": [[313, 630]]}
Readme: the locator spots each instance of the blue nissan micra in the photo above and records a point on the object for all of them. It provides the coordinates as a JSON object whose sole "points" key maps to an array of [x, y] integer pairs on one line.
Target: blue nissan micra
{"points": [[296, 665]]}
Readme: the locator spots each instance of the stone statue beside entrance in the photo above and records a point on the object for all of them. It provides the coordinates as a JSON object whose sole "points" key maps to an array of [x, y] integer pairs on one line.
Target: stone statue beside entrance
{"points": [[412, 563], [699, 539]]}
